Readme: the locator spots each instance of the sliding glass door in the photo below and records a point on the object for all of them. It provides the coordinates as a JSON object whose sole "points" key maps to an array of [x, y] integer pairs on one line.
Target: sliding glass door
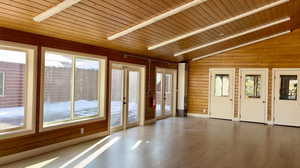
{"points": [[125, 97]]}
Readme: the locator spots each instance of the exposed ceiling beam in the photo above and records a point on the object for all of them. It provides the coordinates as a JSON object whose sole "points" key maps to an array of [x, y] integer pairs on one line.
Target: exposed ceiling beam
{"points": [[54, 10], [233, 36], [242, 45], [271, 5], [156, 18]]}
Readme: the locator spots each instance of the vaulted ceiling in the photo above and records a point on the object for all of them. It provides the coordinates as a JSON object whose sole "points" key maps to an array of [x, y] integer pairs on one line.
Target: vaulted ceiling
{"points": [[186, 28]]}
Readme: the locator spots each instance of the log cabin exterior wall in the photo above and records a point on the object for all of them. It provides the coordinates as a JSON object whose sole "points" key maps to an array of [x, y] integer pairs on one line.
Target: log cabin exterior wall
{"points": [[280, 52]]}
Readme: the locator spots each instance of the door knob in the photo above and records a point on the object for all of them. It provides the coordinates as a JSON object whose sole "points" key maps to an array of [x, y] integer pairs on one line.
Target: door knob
{"points": [[264, 101], [230, 99]]}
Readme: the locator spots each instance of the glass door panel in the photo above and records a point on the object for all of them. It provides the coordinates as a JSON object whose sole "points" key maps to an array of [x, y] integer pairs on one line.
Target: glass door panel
{"points": [[159, 94], [168, 94], [116, 105], [133, 96]]}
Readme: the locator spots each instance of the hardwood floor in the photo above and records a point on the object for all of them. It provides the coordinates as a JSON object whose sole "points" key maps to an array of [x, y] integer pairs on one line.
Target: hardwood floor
{"points": [[182, 143]]}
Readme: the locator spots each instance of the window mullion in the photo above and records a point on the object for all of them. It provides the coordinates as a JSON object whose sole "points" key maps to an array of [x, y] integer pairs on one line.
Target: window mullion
{"points": [[73, 87]]}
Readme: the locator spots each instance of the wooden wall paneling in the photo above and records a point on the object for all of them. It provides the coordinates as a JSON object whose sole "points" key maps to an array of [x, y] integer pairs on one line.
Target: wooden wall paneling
{"points": [[39, 139], [280, 52]]}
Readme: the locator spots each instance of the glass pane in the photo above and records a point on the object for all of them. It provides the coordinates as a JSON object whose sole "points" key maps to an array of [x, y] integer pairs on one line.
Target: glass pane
{"points": [[288, 87], [57, 87], [168, 93], [252, 86], [133, 96], [158, 109], [12, 64], [1, 83], [116, 106], [221, 85], [86, 88]]}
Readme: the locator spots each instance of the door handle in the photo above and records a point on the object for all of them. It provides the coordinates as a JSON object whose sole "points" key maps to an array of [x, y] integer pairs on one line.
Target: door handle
{"points": [[264, 101], [230, 99]]}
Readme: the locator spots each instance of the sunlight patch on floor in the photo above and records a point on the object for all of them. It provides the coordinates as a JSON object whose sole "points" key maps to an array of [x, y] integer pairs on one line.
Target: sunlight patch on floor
{"points": [[136, 145], [97, 153], [84, 152]]}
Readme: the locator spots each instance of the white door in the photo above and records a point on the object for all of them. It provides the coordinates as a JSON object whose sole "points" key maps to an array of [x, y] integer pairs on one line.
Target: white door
{"points": [[165, 84], [253, 94], [222, 93], [124, 97], [286, 99]]}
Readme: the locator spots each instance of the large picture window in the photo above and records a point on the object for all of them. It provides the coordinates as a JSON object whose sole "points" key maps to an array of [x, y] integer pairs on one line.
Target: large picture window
{"points": [[17, 78], [73, 88]]}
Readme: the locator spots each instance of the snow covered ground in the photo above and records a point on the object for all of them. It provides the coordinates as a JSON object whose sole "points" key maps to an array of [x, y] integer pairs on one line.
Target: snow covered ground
{"points": [[158, 109], [13, 116]]}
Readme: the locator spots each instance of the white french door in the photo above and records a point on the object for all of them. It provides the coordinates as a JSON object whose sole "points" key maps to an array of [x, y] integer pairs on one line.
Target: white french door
{"points": [[253, 94], [125, 97], [286, 100], [221, 104], [164, 93]]}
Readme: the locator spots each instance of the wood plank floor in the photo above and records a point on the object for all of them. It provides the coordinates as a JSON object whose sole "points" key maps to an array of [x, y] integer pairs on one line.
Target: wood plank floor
{"points": [[182, 143]]}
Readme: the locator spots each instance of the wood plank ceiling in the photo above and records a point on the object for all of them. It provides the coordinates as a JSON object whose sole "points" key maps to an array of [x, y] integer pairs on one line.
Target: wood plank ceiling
{"points": [[92, 21]]}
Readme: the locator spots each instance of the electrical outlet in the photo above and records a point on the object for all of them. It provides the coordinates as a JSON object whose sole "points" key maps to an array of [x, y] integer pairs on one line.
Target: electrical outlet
{"points": [[81, 130]]}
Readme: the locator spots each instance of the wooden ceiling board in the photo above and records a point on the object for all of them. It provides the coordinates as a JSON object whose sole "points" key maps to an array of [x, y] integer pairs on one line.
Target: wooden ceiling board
{"points": [[240, 40], [235, 27], [92, 21]]}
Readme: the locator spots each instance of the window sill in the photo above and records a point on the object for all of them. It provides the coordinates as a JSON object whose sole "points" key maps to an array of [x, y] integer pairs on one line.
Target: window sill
{"points": [[65, 124], [16, 133]]}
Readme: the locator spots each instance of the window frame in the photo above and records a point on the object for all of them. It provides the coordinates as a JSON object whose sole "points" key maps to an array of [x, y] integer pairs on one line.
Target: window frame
{"points": [[3, 84], [30, 78], [102, 82]]}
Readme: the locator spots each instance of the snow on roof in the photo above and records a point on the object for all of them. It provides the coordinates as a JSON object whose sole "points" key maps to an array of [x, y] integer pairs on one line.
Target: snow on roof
{"points": [[52, 60]]}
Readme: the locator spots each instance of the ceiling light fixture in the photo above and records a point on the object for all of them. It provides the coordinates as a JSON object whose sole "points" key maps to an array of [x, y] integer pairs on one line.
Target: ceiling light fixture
{"points": [[242, 45], [233, 36], [54, 10], [156, 19], [271, 5]]}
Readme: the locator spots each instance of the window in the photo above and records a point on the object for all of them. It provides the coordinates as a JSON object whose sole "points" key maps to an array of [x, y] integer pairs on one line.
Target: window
{"points": [[221, 85], [252, 86], [73, 88], [288, 87], [2, 78], [17, 67]]}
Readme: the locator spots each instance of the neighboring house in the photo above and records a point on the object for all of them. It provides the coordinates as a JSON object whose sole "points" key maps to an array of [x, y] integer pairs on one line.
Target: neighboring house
{"points": [[12, 82]]}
